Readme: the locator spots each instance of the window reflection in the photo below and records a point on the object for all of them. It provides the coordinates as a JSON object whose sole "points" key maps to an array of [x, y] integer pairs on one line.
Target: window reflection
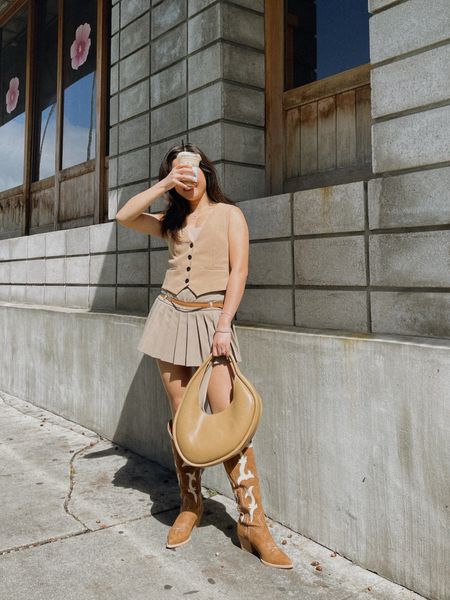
{"points": [[324, 37], [13, 46], [79, 62], [46, 89]]}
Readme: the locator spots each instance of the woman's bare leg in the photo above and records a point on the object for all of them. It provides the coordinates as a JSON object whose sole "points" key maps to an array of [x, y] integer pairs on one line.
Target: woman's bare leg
{"points": [[220, 384], [175, 379]]}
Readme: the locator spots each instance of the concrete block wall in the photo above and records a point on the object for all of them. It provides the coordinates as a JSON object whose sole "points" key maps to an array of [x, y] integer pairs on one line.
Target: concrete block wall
{"points": [[192, 70], [308, 264], [409, 201], [350, 258], [318, 260], [74, 268]]}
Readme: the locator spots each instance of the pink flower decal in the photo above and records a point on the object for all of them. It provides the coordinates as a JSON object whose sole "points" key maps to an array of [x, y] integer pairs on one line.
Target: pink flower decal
{"points": [[12, 95], [79, 49]]}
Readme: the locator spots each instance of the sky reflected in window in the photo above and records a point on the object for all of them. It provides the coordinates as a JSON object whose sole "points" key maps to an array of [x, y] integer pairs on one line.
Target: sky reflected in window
{"points": [[13, 38], [324, 37], [79, 123], [80, 30], [47, 51]]}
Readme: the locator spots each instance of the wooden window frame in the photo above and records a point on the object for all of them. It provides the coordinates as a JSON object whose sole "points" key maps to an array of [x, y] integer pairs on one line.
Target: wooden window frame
{"points": [[99, 163], [274, 84]]}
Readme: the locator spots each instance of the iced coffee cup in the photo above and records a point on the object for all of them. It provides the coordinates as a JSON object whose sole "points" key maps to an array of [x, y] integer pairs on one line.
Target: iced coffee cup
{"points": [[190, 158]]}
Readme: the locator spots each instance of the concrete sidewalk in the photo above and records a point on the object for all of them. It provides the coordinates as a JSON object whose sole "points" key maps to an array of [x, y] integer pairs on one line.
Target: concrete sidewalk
{"points": [[84, 519]]}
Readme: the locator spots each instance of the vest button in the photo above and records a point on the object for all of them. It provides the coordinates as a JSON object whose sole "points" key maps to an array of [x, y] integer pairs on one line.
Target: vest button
{"points": [[186, 280], [188, 269], [191, 245], [190, 256]]}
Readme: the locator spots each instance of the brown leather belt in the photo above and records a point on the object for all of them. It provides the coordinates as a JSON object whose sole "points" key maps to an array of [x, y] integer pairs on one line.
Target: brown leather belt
{"points": [[211, 303]]}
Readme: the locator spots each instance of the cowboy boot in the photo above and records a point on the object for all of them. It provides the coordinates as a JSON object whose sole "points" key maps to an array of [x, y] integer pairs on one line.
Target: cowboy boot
{"points": [[252, 529], [191, 508]]}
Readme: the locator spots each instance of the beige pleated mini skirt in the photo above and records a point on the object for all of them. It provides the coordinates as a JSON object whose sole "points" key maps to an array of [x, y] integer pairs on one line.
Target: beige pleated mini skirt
{"points": [[183, 335]]}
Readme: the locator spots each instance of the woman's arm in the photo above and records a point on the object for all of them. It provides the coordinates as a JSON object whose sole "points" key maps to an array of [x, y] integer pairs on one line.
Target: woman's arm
{"points": [[132, 213], [238, 239]]}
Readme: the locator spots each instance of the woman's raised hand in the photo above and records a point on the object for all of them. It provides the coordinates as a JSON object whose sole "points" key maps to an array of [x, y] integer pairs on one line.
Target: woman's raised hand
{"points": [[178, 175]]}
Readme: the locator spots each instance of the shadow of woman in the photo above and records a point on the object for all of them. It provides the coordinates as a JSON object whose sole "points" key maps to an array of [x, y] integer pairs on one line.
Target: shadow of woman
{"points": [[149, 483]]}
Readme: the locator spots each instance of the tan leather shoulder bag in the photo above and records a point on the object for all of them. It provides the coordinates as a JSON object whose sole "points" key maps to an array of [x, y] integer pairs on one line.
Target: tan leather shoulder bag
{"points": [[204, 439]]}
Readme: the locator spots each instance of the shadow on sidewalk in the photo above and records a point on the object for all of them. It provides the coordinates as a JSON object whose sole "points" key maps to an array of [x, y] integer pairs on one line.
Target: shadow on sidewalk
{"points": [[148, 478]]}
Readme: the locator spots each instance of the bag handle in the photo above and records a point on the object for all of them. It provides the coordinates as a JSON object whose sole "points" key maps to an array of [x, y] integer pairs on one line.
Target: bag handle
{"points": [[203, 368]]}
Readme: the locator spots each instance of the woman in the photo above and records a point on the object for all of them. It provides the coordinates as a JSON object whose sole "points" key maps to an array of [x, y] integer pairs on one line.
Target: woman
{"points": [[208, 242]]}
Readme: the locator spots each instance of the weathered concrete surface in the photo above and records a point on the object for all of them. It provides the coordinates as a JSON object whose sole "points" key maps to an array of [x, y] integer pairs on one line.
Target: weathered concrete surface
{"points": [[353, 447], [84, 518]]}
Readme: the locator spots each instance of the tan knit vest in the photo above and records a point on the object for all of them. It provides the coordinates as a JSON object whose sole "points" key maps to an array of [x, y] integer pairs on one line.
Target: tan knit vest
{"points": [[202, 264]]}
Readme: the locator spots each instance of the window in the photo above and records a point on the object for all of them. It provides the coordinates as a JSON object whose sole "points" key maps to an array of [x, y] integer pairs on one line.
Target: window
{"points": [[47, 55], [324, 37], [79, 82], [53, 114], [13, 92]]}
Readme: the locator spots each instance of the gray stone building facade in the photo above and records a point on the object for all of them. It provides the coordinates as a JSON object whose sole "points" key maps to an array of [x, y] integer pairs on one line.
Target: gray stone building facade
{"points": [[345, 322]]}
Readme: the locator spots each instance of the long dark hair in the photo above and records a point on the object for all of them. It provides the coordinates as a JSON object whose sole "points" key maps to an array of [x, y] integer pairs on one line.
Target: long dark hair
{"points": [[175, 215]]}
